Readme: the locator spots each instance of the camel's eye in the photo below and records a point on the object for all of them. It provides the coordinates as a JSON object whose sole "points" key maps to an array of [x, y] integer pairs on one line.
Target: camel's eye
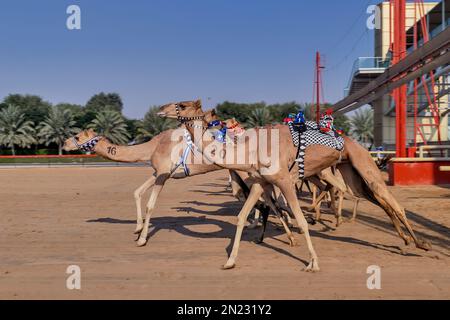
{"points": [[182, 107], [77, 138]]}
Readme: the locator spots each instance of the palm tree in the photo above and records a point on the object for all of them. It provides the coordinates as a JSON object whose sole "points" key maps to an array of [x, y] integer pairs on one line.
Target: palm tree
{"points": [[110, 124], [259, 117], [14, 129], [152, 124], [361, 126], [57, 127]]}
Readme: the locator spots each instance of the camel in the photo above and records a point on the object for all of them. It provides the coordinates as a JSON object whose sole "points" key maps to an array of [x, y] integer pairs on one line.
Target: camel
{"points": [[317, 158], [159, 152], [265, 173]]}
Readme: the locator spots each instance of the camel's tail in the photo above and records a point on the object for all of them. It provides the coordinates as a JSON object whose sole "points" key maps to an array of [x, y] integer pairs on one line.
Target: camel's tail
{"points": [[374, 189]]}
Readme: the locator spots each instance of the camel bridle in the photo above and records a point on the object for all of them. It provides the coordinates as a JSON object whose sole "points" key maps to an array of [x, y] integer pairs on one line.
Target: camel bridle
{"points": [[187, 121], [87, 146]]}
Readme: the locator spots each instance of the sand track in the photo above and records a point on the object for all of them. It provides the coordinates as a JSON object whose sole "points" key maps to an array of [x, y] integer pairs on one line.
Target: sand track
{"points": [[51, 218]]}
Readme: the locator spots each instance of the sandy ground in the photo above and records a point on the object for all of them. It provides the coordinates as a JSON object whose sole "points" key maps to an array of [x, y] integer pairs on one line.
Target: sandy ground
{"points": [[53, 218]]}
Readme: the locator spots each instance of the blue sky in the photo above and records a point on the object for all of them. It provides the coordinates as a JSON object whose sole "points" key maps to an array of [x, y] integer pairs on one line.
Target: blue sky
{"points": [[156, 51]]}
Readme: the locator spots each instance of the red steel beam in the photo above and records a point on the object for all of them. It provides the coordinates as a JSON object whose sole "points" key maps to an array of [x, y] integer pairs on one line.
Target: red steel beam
{"points": [[399, 52]]}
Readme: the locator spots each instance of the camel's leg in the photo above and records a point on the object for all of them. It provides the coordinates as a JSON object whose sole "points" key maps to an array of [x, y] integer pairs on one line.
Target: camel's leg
{"points": [[159, 184], [281, 205], [318, 185], [265, 218], [317, 201], [396, 222], [355, 208], [255, 192], [268, 199], [338, 211], [332, 203], [287, 219], [328, 198], [420, 243], [318, 206], [289, 193], [255, 222], [314, 191], [137, 197]]}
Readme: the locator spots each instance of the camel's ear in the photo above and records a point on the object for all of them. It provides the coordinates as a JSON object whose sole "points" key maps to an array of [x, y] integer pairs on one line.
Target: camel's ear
{"points": [[198, 104], [91, 131], [213, 112]]}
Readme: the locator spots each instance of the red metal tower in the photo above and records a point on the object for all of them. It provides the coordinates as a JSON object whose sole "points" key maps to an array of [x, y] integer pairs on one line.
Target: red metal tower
{"points": [[318, 92], [399, 94]]}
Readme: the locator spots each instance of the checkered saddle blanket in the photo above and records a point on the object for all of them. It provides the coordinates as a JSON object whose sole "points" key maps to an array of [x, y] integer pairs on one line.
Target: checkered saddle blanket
{"points": [[311, 136]]}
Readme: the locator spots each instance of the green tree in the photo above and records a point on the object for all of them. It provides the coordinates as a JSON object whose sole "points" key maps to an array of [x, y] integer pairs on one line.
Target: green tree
{"points": [[102, 101], [57, 127], [152, 125], [342, 122], [259, 117], [78, 113], [15, 130], [280, 111], [361, 126], [33, 107], [132, 126], [239, 111], [111, 124], [98, 103]]}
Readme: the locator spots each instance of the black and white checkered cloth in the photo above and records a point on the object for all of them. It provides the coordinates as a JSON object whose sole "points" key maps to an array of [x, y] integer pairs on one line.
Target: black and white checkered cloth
{"points": [[88, 145], [311, 136]]}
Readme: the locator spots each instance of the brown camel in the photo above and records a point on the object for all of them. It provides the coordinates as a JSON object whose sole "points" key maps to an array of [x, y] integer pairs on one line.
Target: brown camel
{"points": [[267, 172], [317, 158], [157, 151]]}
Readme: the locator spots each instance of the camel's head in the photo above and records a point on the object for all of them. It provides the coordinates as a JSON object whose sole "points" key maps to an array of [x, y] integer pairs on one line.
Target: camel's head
{"points": [[211, 116], [78, 140], [231, 123], [182, 110], [234, 126]]}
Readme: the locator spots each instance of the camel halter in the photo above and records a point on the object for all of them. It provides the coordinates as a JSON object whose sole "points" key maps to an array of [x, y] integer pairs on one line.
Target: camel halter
{"points": [[187, 120], [88, 145]]}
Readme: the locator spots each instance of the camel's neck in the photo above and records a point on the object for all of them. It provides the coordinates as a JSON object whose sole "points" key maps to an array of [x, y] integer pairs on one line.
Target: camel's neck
{"points": [[203, 140], [197, 129], [138, 153]]}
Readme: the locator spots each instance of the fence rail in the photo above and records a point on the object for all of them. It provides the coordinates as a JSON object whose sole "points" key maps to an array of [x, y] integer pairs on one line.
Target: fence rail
{"points": [[50, 156]]}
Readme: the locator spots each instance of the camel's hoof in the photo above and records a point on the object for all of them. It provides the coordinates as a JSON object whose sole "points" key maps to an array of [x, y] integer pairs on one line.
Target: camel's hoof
{"points": [[424, 245], [138, 229], [293, 242], [141, 242], [228, 265], [408, 240], [313, 266], [258, 240]]}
